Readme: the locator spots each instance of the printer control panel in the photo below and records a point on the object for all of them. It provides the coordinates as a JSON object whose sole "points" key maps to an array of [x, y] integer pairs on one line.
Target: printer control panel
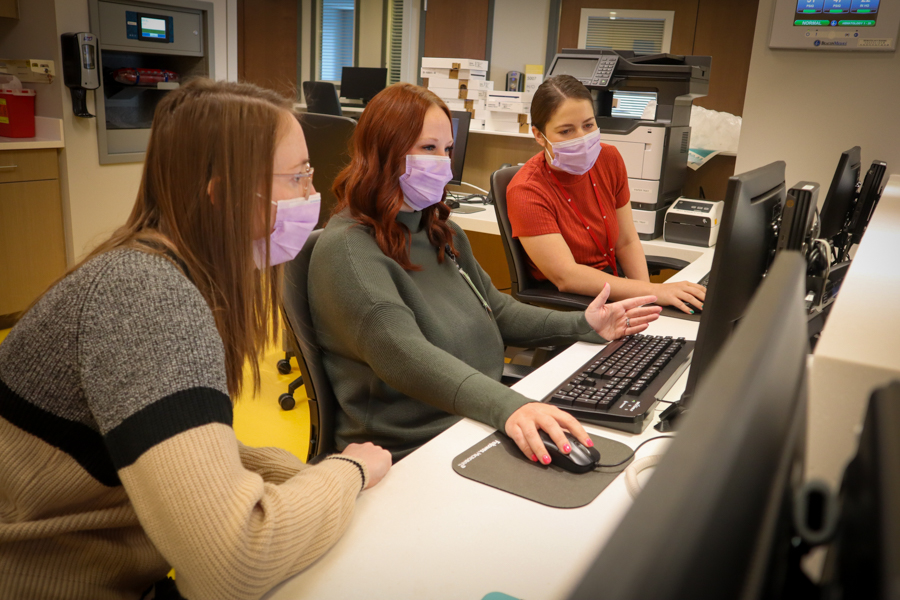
{"points": [[604, 70], [694, 207]]}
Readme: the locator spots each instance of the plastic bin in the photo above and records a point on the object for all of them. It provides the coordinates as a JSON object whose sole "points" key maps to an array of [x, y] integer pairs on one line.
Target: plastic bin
{"points": [[16, 113]]}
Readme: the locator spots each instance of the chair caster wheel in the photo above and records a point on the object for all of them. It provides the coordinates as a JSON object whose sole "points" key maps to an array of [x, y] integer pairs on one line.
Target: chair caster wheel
{"points": [[284, 366], [286, 401]]}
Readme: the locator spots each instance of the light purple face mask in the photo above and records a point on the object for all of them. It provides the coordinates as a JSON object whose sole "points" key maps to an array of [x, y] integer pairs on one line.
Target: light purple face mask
{"points": [[425, 179], [576, 156], [294, 221]]}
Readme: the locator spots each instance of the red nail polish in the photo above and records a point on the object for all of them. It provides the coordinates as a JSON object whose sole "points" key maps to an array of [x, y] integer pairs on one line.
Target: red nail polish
{"points": [[567, 448], [546, 460], [533, 458], [589, 443]]}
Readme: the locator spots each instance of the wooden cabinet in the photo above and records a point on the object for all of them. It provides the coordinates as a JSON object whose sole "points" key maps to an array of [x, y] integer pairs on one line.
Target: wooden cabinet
{"points": [[9, 9], [32, 244]]}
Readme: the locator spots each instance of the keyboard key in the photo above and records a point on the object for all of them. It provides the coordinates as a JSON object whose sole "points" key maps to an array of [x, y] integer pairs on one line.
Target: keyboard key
{"points": [[590, 381], [560, 400], [567, 388], [585, 404]]}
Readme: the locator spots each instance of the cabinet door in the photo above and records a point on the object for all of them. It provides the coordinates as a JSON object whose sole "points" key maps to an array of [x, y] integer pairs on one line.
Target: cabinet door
{"points": [[32, 249], [9, 9]]}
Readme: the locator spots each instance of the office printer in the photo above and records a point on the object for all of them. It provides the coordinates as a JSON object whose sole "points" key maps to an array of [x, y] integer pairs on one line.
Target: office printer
{"points": [[654, 146], [693, 222]]}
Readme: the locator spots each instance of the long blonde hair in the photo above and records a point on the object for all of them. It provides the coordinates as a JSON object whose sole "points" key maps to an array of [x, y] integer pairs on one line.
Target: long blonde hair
{"points": [[218, 137]]}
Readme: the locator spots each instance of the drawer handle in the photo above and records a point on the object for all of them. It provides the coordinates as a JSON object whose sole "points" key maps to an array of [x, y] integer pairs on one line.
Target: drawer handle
{"points": [[8, 167]]}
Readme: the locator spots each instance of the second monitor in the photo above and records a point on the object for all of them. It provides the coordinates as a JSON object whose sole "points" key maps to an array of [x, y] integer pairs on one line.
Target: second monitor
{"points": [[362, 83]]}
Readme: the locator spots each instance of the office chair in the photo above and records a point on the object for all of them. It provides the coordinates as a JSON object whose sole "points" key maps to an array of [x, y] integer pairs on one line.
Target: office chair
{"points": [[328, 139], [322, 402], [322, 98], [524, 287]]}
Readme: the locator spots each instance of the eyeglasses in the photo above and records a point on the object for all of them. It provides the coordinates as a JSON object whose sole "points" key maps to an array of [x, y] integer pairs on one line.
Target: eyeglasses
{"points": [[301, 182]]}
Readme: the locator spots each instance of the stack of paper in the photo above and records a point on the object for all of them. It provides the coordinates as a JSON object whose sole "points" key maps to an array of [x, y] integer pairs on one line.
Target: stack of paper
{"points": [[460, 82], [509, 112]]}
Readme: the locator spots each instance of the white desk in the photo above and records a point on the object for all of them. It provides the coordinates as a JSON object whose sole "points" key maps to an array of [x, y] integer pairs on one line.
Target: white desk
{"points": [[486, 222], [860, 347], [425, 532]]}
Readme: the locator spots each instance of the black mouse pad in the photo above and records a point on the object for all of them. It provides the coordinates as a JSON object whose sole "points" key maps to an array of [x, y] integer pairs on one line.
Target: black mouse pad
{"points": [[497, 461]]}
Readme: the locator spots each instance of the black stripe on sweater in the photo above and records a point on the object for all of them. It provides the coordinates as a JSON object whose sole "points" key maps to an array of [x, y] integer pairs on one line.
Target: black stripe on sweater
{"points": [[165, 419], [83, 444]]}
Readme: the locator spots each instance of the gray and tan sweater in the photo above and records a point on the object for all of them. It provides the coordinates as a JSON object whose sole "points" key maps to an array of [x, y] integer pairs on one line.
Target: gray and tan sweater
{"points": [[410, 352], [117, 456]]}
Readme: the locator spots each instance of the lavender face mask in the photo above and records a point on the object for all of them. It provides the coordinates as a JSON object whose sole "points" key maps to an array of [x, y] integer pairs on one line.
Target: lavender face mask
{"points": [[294, 221], [425, 179], [576, 156]]}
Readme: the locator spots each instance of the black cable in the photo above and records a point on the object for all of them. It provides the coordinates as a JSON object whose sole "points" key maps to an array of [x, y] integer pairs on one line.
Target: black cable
{"points": [[633, 452]]}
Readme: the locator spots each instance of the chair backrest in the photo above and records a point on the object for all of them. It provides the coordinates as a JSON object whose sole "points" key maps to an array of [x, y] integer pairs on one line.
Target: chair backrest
{"points": [[322, 402], [328, 139], [322, 97], [515, 254]]}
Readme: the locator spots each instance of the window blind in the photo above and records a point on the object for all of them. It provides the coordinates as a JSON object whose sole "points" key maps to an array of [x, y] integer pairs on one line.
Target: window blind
{"points": [[640, 35], [395, 40], [336, 49]]}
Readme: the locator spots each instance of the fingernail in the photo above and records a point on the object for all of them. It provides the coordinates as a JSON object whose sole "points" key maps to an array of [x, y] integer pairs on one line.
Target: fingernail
{"points": [[546, 460], [589, 443], [692, 312], [567, 448], [533, 458]]}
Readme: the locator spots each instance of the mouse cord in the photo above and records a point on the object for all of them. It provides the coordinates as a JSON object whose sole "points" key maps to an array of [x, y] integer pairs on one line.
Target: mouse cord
{"points": [[631, 473], [633, 452]]}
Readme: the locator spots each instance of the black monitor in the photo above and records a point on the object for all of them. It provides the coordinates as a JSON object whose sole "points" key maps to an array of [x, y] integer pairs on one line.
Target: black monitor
{"points": [[796, 217], [707, 518], [744, 251], [362, 83], [869, 194], [460, 120], [864, 559], [841, 194]]}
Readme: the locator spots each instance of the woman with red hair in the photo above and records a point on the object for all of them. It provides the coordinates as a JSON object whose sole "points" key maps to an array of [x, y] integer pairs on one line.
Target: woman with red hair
{"points": [[412, 330]]}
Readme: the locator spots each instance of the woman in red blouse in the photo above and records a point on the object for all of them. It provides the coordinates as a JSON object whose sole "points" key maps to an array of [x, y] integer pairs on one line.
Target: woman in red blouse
{"points": [[570, 205]]}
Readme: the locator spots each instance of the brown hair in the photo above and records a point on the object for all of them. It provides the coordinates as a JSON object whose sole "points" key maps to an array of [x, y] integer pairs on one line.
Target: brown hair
{"points": [[222, 136], [370, 184], [551, 94]]}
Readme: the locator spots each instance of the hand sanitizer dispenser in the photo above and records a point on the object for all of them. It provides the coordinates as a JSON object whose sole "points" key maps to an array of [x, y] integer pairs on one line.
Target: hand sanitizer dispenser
{"points": [[80, 72]]}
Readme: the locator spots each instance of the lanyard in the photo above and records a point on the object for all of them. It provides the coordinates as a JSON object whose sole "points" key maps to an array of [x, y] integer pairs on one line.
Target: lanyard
{"points": [[484, 304], [611, 256]]}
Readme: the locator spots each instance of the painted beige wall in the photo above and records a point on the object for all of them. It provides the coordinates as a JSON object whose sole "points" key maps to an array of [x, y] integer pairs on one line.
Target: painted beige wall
{"points": [[33, 35], [371, 30], [98, 198], [519, 36], [807, 107]]}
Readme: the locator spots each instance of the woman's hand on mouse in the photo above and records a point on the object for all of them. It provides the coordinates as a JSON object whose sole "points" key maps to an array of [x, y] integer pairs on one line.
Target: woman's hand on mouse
{"points": [[522, 427], [679, 293], [618, 319]]}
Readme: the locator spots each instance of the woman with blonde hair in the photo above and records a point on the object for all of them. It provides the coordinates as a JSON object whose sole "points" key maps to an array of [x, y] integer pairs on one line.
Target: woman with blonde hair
{"points": [[118, 460]]}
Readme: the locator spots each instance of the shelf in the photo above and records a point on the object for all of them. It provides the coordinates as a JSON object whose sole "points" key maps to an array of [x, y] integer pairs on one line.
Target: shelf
{"points": [[48, 134], [502, 133]]}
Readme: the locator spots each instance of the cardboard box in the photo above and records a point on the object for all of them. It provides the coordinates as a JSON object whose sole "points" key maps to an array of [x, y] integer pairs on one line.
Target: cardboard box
{"points": [[508, 117], [431, 62], [507, 127], [506, 106], [454, 73], [468, 105], [508, 96], [460, 84], [533, 82], [476, 125], [458, 94]]}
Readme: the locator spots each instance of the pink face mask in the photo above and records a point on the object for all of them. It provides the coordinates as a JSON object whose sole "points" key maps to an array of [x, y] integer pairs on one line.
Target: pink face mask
{"points": [[576, 156], [294, 221], [425, 179]]}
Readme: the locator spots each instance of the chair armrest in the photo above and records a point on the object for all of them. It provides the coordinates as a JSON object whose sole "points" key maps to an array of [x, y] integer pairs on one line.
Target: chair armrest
{"points": [[554, 299], [666, 262]]}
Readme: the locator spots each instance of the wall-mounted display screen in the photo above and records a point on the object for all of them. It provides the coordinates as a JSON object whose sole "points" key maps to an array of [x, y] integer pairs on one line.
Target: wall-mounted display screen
{"points": [[154, 28], [836, 13]]}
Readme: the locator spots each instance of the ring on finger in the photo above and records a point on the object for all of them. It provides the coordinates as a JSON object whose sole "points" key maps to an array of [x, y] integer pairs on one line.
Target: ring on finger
{"points": [[627, 322]]}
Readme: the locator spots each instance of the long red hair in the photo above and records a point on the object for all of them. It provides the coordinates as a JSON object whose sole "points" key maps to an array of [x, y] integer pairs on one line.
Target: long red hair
{"points": [[370, 184]]}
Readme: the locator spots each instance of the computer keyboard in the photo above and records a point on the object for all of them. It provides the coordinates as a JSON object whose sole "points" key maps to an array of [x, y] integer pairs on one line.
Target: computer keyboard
{"points": [[621, 384], [704, 281]]}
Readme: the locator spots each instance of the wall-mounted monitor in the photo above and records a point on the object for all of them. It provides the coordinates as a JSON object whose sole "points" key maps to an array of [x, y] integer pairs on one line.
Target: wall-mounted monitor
{"points": [[835, 25]]}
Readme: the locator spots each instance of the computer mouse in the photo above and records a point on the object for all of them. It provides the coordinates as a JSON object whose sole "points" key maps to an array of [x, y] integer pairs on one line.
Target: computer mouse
{"points": [[451, 203], [580, 460]]}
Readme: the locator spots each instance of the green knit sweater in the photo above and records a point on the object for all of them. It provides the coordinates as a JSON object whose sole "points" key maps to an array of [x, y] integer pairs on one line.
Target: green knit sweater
{"points": [[409, 352]]}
